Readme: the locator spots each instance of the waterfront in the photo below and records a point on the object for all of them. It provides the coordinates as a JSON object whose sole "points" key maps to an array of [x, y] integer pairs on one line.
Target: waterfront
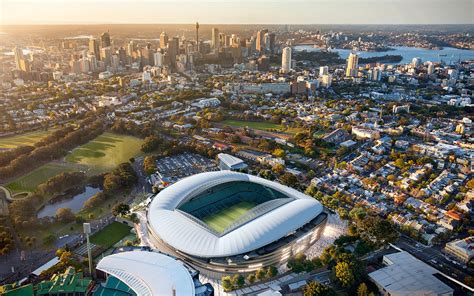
{"points": [[447, 54]]}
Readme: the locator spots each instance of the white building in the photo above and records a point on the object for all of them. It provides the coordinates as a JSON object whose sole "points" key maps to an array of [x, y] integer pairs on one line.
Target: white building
{"points": [[463, 249], [352, 63], [229, 162], [323, 70], [286, 60], [158, 59], [406, 275], [205, 103]]}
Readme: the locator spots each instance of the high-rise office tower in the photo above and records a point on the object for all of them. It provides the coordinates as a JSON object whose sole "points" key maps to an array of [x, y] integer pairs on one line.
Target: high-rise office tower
{"points": [[130, 48], [352, 63], [173, 48], [105, 40], [163, 40], [105, 55], [415, 62], [215, 42], [260, 40], [197, 36], [158, 59], [271, 43], [19, 58], [323, 70], [94, 47], [285, 60], [430, 69], [122, 54]]}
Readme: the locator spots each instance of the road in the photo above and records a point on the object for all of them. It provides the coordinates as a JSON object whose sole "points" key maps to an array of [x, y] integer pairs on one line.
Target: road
{"points": [[434, 257]]}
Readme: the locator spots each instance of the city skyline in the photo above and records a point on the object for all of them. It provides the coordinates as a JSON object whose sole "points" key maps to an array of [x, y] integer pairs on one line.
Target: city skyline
{"points": [[233, 12]]}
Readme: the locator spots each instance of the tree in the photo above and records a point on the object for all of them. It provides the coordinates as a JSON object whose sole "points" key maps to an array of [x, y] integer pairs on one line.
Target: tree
{"points": [[343, 273], [278, 168], [260, 274], [362, 290], [278, 152], [120, 209], [238, 280], [151, 143], [251, 278], [314, 288], [111, 182], [65, 215], [227, 283], [149, 164], [272, 271], [289, 179]]}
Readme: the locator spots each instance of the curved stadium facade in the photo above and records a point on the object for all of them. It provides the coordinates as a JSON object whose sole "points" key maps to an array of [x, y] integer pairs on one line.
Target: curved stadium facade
{"points": [[226, 222]]}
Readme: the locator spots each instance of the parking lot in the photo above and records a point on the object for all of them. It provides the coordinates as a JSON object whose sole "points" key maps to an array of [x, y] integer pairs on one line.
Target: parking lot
{"points": [[173, 168]]}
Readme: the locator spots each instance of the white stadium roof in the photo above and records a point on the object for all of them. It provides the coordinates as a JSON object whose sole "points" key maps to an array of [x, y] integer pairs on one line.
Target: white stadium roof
{"points": [[149, 273], [183, 234]]}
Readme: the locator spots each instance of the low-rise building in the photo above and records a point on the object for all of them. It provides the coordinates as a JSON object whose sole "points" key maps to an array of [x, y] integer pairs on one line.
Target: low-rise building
{"points": [[406, 275], [229, 162], [463, 249]]}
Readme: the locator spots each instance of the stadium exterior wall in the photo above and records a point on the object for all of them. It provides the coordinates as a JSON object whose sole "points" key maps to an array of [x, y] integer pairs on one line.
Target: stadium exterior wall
{"points": [[218, 267]]}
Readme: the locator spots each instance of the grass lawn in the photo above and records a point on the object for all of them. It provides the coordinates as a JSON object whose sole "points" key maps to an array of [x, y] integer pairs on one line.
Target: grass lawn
{"points": [[106, 151], [26, 139], [110, 235], [40, 175], [223, 219], [260, 125]]}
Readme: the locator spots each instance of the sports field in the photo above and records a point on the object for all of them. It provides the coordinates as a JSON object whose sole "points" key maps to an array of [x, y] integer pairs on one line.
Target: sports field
{"points": [[106, 151], [26, 139], [30, 181], [110, 235], [260, 125], [223, 219]]}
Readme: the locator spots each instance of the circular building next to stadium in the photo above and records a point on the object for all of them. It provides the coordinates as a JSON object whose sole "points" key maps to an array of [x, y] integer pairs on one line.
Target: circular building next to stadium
{"points": [[227, 222]]}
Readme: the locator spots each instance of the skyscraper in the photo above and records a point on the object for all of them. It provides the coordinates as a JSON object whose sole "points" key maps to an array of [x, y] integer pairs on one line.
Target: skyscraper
{"points": [[271, 42], [285, 60], [173, 48], [94, 47], [18, 53], [163, 40], [323, 70], [105, 40], [260, 40], [430, 69], [130, 48], [215, 39], [352, 63]]}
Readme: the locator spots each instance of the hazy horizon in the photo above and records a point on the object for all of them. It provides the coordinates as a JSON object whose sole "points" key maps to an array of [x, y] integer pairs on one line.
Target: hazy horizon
{"points": [[256, 12]]}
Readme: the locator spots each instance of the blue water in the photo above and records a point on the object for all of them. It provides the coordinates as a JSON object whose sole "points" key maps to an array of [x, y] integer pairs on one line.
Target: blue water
{"points": [[75, 203], [408, 53]]}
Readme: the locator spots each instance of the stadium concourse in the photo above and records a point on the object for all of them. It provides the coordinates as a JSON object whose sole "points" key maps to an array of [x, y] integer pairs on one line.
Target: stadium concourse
{"points": [[227, 222]]}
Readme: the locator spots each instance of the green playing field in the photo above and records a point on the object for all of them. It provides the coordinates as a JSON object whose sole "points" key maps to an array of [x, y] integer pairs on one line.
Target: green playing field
{"points": [[223, 219]]}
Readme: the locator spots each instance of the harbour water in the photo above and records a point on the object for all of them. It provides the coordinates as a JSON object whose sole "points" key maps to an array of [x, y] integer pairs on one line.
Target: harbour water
{"points": [[447, 54]]}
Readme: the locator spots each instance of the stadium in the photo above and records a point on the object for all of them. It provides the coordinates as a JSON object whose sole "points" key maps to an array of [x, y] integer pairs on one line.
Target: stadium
{"points": [[227, 222]]}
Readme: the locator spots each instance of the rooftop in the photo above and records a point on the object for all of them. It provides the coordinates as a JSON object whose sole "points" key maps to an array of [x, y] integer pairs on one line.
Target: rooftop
{"points": [[189, 236], [406, 275], [149, 273]]}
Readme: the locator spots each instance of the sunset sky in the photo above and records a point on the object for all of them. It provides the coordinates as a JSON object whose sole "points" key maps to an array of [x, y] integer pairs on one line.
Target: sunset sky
{"points": [[237, 11]]}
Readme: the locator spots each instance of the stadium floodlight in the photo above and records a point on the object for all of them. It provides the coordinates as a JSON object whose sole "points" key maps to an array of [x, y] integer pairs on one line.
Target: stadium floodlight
{"points": [[87, 231]]}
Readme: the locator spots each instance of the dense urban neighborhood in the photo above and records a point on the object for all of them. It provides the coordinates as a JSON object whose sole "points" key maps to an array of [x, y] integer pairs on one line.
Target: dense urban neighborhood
{"points": [[102, 133]]}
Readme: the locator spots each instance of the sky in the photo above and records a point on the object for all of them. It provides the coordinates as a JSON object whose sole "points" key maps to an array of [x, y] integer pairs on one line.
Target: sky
{"points": [[236, 11]]}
